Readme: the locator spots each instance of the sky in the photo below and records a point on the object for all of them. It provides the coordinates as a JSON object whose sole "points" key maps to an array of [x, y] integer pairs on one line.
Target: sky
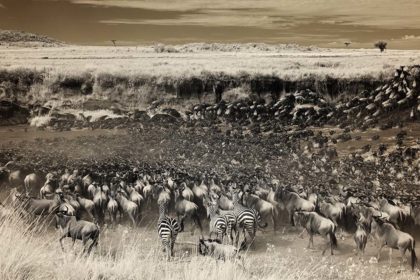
{"points": [[325, 23]]}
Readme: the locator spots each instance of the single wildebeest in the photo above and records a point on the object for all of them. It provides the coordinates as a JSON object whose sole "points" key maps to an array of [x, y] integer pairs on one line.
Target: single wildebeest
{"points": [[293, 202], [361, 236], [128, 207], [396, 214], [387, 235], [316, 224], [217, 250], [82, 230], [31, 182], [264, 208], [40, 206], [112, 208]]}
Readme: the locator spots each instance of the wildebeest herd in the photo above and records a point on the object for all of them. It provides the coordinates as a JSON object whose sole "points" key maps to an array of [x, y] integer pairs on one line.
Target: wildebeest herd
{"points": [[83, 201]]}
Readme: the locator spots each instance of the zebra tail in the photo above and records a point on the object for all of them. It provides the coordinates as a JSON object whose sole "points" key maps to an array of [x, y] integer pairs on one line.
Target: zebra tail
{"points": [[413, 255]]}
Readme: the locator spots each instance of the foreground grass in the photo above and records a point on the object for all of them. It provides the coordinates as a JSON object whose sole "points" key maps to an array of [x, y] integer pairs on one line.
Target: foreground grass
{"points": [[30, 250]]}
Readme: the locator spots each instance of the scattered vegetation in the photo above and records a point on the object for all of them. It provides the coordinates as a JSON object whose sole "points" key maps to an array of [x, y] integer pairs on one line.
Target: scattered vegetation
{"points": [[381, 45]]}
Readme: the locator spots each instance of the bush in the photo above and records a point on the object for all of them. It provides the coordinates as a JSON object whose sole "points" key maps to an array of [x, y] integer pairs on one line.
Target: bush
{"points": [[381, 45]]}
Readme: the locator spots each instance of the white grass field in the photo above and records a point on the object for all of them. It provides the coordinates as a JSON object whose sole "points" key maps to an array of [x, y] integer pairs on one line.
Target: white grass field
{"points": [[285, 61], [32, 251]]}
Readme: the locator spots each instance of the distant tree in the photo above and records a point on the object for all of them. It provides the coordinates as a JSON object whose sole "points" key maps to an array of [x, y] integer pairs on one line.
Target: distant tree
{"points": [[114, 42], [347, 44], [381, 45]]}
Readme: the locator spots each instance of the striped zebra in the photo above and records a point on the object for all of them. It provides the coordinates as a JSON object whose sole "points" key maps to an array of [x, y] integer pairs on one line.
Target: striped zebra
{"points": [[218, 223], [246, 218], [168, 229]]}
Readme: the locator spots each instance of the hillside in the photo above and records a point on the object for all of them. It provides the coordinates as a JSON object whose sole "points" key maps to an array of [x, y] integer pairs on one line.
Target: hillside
{"points": [[26, 39]]}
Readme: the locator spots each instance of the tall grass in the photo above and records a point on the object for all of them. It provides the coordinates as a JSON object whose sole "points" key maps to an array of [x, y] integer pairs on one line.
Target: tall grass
{"points": [[29, 249]]}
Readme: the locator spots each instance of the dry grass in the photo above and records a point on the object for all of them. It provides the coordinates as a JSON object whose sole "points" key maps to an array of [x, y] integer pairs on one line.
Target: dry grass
{"points": [[30, 250]]}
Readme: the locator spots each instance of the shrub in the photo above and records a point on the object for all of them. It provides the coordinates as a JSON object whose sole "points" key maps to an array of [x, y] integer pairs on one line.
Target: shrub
{"points": [[381, 45]]}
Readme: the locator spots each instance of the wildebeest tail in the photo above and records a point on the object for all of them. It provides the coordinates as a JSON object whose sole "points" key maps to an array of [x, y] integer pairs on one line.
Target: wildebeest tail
{"points": [[257, 219], [413, 255], [333, 239]]}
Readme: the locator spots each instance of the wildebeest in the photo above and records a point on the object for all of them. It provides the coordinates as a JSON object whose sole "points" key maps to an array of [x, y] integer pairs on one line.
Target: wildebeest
{"points": [[87, 205], [396, 214], [264, 208], [185, 208], [31, 182], [112, 208], [217, 250], [387, 235], [40, 206], [48, 188], [360, 237], [128, 207], [77, 229], [316, 224], [293, 202]]}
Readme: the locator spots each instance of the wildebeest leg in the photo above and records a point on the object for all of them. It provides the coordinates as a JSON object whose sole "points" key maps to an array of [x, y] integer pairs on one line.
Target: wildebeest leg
{"points": [[390, 256], [94, 243], [90, 214], [133, 220], [310, 240], [273, 218], [292, 221], [402, 251], [198, 223], [180, 222], [380, 250], [84, 240], [61, 240], [301, 234]]}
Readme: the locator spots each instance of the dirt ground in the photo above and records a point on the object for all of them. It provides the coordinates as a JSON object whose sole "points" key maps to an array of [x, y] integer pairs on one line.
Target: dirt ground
{"points": [[269, 250]]}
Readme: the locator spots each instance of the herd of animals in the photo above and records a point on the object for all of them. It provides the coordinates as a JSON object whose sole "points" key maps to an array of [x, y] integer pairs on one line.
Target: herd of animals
{"points": [[83, 201]]}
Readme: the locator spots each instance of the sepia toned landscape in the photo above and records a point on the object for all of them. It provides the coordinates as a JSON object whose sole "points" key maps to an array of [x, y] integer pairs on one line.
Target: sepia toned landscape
{"points": [[209, 156]]}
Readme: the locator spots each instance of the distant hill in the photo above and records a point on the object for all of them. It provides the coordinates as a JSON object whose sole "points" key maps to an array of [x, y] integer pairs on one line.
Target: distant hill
{"points": [[26, 39]]}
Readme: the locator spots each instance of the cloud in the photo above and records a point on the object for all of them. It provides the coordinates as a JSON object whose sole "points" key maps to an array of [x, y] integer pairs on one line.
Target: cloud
{"points": [[411, 37], [379, 13]]}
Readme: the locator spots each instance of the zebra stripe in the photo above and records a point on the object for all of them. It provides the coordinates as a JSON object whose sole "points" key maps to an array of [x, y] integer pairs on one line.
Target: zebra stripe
{"points": [[218, 223], [168, 229], [246, 218]]}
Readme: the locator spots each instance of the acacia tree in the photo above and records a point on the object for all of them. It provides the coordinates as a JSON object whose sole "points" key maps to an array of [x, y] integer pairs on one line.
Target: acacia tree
{"points": [[347, 44], [381, 45]]}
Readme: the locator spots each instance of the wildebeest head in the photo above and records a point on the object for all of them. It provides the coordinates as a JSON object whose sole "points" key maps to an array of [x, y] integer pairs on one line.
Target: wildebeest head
{"points": [[206, 246], [203, 249], [301, 217]]}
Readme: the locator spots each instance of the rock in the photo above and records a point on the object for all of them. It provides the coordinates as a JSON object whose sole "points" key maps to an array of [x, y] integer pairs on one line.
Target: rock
{"points": [[164, 118], [12, 113]]}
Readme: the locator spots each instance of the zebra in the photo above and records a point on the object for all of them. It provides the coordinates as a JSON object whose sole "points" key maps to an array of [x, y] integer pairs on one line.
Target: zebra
{"points": [[218, 223], [246, 218], [168, 229]]}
